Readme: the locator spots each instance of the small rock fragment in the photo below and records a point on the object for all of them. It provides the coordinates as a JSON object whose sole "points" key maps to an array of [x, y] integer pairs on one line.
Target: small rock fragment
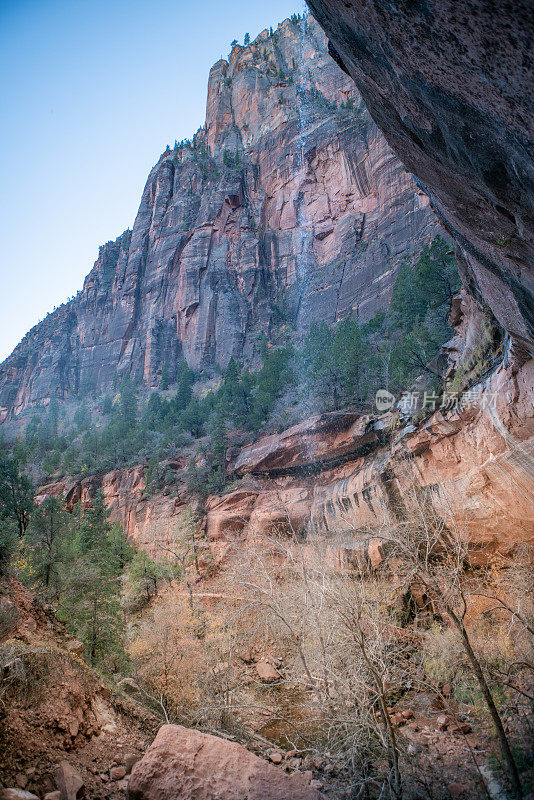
{"points": [[117, 773], [128, 686], [69, 781], [130, 760], [266, 672], [462, 727], [75, 646]]}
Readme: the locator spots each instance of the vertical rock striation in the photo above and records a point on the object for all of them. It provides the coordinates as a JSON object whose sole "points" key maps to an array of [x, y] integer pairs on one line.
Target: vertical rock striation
{"points": [[286, 206]]}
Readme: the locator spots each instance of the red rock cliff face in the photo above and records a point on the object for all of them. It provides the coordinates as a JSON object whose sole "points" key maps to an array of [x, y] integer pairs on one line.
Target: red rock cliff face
{"points": [[450, 85], [285, 201], [333, 476]]}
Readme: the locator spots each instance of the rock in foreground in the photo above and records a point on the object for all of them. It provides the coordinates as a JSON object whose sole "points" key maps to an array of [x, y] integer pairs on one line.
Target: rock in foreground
{"points": [[186, 764]]}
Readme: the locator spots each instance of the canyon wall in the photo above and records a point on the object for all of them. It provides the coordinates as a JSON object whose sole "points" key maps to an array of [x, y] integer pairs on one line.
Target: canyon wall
{"points": [[288, 205], [450, 85], [340, 477]]}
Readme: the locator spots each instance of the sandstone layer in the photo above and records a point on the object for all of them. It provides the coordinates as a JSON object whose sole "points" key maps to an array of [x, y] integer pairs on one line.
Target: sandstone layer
{"points": [[475, 464], [288, 205], [450, 86]]}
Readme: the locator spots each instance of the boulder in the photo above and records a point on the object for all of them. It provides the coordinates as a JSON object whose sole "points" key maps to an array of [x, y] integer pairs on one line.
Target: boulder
{"points": [[69, 781], [17, 794], [267, 672], [443, 722], [128, 686], [75, 646], [190, 765], [53, 796], [117, 773]]}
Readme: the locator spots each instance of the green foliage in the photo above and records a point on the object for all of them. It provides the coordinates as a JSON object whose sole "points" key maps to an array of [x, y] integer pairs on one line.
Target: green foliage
{"points": [[49, 545], [76, 560], [145, 575], [247, 39], [428, 284], [97, 553], [120, 551], [92, 610], [419, 309], [210, 476], [82, 417], [272, 379], [16, 504], [338, 367], [8, 542], [164, 381], [231, 160], [42, 431]]}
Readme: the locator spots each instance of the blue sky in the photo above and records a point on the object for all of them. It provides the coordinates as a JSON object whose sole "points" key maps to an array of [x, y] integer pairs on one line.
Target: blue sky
{"points": [[92, 91]]}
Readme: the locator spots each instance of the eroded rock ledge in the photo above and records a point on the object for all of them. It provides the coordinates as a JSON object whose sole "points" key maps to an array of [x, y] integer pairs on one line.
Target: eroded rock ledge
{"points": [[332, 475]]}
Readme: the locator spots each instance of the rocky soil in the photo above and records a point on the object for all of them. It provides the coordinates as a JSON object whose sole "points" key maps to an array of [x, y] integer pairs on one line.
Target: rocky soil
{"points": [[54, 709]]}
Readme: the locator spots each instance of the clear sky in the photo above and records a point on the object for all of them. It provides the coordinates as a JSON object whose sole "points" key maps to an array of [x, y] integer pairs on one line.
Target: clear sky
{"points": [[92, 92]]}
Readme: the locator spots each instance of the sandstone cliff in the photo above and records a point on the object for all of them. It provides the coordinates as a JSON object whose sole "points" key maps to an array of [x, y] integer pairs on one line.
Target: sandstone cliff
{"points": [[287, 205], [450, 86], [334, 475]]}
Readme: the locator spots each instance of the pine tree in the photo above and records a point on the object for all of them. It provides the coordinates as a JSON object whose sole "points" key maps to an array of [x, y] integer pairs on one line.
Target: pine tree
{"points": [[16, 494], [121, 551], [94, 528], [128, 404], [165, 378], [216, 454], [92, 610], [247, 39], [48, 541], [145, 575], [193, 419], [91, 606], [184, 390]]}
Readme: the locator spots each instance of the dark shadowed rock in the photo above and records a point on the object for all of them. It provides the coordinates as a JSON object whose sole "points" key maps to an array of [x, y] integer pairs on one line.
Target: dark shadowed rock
{"points": [[450, 86]]}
